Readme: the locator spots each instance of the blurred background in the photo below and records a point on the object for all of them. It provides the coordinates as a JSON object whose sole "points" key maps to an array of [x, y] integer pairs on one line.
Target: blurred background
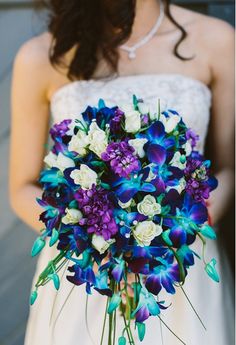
{"points": [[18, 22]]}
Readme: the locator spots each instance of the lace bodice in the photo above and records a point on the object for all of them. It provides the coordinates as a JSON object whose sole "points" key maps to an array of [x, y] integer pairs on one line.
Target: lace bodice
{"points": [[190, 97]]}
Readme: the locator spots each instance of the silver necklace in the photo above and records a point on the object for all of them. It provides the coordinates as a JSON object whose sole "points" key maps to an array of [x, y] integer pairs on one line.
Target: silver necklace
{"points": [[131, 50]]}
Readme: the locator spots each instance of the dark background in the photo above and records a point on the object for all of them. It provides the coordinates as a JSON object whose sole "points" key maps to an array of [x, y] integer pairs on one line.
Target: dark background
{"points": [[18, 23]]}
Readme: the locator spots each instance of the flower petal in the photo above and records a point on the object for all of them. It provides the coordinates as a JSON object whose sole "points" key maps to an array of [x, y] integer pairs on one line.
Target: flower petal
{"points": [[156, 154]]}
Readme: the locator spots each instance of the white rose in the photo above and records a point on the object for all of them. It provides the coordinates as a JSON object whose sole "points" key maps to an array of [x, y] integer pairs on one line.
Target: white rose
{"points": [[145, 232], [51, 160], [64, 162], [170, 122], [84, 176], [178, 161], [97, 139], [78, 143], [72, 216], [143, 108], [100, 244], [148, 206], [126, 204], [188, 148], [132, 121], [138, 144], [61, 161]]}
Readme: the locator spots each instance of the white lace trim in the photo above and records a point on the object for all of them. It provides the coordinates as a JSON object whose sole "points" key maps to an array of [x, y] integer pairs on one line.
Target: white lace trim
{"points": [[190, 97]]}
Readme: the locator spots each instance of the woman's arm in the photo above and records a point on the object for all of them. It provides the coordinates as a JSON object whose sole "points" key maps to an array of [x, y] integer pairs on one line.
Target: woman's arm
{"points": [[29, 129], [221, 140]]}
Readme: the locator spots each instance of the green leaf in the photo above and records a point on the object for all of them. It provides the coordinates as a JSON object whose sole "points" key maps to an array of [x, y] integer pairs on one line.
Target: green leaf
{"points": [[135, 102], [97, 163], [33, 296], [105, 185], [114, 303], [141, 330], [208, 232], [122, 341], [211, 270], [166, 238], [38, 245], [54, 237]]}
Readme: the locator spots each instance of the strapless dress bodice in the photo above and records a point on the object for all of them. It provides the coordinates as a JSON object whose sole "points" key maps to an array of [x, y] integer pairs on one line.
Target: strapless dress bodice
{"points": [[190, 97]]}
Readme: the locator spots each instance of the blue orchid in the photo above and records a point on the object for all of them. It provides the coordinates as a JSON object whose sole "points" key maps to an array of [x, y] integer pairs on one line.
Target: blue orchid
{"points": [[101, 284], [165, 274], [127, 189], [147, 306], [158, 143], [82, 276], [102, 114], [184, 224]]}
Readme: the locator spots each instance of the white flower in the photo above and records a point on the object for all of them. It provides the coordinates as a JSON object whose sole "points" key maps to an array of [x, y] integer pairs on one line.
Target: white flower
{"points": [[132, 121], [125, 205], [148, 206], [143, 108], [84, 176], [188, 148], [78, 143], [72, 216], [170, 122], [97, 139], [61, 161], [100, 244], [138, 144], [146, 231], [178, 161], [51, 160], [180, 187], [151, 175]]}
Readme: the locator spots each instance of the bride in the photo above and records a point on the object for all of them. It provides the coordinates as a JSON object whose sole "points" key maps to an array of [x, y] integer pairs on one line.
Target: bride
{"points": [[110, 50]]}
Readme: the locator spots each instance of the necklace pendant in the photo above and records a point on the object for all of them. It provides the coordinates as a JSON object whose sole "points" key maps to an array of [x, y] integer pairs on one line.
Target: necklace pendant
{"points": [[132, 55]]}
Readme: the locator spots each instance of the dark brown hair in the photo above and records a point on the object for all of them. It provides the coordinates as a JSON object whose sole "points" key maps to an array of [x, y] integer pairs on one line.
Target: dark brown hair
{"points": [[95, 28]]}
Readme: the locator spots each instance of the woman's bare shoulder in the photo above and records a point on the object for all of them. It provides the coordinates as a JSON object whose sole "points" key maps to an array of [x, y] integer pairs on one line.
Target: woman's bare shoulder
{"points": [[35, 51], [208, 29]]}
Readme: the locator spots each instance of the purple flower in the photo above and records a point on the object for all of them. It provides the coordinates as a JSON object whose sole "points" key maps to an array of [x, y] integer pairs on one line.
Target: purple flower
{"points": [[60, 129], [116, 121], [122, 158], [199, 183], [192, 136], [97, 212]]}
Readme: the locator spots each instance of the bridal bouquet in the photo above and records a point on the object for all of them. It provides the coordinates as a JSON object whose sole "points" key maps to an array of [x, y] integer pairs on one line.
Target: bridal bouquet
{"points": [[124, 197]]}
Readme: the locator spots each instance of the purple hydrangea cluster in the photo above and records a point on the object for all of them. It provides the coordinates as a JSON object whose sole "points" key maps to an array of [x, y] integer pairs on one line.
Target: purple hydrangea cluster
{"points": [[196, 176], [97, 212], [122, 158]]}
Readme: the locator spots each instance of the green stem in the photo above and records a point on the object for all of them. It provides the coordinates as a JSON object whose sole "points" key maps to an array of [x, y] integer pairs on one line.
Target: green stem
{"points": [[203, 247], [104, 322], [171, 331], [193, 307], [114, 334], [110, 329]]}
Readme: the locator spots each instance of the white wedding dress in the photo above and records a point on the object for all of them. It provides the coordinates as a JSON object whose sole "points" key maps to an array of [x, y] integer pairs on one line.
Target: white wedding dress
{"points": [[213, 302]]}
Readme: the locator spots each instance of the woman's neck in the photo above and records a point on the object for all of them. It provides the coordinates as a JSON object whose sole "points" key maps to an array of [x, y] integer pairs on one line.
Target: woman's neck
{"points": [[147, 12]]}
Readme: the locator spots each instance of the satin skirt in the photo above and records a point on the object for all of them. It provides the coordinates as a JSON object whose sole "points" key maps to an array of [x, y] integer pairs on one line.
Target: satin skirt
{"points": [[59, 318]]}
